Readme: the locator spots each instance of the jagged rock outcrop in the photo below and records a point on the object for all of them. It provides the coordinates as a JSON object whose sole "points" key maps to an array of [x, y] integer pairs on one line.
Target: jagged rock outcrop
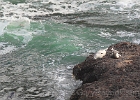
{"points": [[108, 78]]}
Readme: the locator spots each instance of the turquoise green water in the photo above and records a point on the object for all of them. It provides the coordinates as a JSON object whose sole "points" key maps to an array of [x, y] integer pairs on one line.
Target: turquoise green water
{"points": [[49, 37], [50, 48]]}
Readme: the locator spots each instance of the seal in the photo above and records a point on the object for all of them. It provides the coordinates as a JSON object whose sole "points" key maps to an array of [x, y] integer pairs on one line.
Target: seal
{"points": [[115, 53], [100, 53]]}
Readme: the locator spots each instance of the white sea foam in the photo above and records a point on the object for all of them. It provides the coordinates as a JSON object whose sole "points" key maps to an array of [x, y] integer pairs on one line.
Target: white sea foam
{"points": [[20, 27], [105, 34], [127, 3], [5, 48], [23, 22], [125, 34], [31, 8], [136, 41], [3, 25]]}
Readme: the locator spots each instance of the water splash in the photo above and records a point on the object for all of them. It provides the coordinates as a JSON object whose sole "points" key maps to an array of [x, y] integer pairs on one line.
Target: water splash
{"points": [[3, 25], [6, 48], [46, 7]]}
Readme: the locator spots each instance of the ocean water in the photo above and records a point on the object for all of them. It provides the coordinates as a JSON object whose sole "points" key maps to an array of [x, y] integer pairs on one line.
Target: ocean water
{"points": [[42, 40]]}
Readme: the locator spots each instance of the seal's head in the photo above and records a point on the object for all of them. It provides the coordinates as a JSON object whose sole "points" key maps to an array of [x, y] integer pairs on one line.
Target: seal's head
{"points": [[115, 53], [100, 53], [113, 50]]}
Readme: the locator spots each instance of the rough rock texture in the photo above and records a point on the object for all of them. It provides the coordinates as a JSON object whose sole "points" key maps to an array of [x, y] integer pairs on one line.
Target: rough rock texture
{"points": [[109, 78]]}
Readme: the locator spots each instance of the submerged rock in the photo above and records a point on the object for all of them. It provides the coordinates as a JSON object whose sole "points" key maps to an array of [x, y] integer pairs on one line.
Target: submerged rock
{"points": [[40, 95], [108, 78]]}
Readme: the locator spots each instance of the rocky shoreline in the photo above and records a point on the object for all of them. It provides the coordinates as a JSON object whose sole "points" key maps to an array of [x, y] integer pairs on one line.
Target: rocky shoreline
{"points": [[108, 78]]}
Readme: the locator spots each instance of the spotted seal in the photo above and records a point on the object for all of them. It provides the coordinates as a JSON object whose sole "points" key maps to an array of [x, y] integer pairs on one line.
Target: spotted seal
{"points": [[100, 53]]}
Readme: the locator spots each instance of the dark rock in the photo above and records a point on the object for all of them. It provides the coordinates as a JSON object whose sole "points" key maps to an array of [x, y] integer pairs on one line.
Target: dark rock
{"points": [[40, 95], [9, 89], [108, 78]]}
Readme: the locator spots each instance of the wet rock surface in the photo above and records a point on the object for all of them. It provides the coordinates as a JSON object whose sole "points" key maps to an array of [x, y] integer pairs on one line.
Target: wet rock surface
{"points": [[108, 78]]}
